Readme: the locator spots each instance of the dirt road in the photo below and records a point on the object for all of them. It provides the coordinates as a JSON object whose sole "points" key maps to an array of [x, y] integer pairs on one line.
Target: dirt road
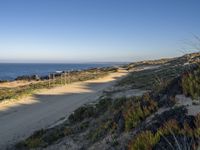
{"points": [[19, 119]]}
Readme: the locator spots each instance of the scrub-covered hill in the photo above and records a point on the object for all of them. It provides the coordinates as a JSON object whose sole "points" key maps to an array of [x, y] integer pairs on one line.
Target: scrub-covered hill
{"points": [[156, 106]]}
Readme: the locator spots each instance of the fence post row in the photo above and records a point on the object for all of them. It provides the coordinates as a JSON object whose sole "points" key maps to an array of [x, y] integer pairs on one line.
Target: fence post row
{"points": [[61, 78], [68, 76], [65, 77]]}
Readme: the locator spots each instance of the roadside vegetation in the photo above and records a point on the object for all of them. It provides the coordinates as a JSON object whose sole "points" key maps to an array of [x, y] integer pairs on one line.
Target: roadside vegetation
{"points": [[59, 80], [171, 135]]}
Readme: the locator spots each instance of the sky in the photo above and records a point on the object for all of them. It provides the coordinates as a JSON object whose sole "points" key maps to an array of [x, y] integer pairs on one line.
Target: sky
{"points": [[95, 30]]}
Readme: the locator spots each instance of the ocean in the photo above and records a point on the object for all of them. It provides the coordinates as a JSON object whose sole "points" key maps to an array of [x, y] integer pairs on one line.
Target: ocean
{"points": [[10, 71]]}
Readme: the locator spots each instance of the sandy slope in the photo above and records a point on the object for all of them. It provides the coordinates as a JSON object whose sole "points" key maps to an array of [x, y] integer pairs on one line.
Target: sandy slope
{"points": [[13, 84], [19, 119]]}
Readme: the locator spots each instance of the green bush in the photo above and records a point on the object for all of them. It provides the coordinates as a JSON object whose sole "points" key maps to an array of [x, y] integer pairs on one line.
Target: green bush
{"points": [[103, 105], [137, 110], [118, 103], [191, 84], [147, 140], [43, 138], [81, 113], [36, 140], [103, 129], [144, 141]]}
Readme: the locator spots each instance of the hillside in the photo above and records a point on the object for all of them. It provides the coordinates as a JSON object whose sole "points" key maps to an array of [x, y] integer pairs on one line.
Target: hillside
{"points": [[155, 107]]}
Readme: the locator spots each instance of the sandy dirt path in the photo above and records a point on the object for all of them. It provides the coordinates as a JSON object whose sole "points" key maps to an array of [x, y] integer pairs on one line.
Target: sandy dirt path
{"points": [[19, 119]]}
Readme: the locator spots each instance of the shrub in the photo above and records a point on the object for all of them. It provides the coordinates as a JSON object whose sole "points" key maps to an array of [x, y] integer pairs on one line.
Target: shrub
{"points": [[103, 105], [103, 129], [44, 138], [81, 113], [191, 83], [169, 136], [55, 134], [159, 84], [118, 103], [144, 141], [138, 110], [67, 131], [32, 142], [133, 115], [197, 124]]}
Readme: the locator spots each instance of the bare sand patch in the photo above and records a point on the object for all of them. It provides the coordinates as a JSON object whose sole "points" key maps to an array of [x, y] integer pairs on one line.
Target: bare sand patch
{"points": [[189, 103]]}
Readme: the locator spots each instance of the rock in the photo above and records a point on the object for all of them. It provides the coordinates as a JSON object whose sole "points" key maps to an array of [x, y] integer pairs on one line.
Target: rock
{"points": [[44, 78], [28, 78], [35, 77]]}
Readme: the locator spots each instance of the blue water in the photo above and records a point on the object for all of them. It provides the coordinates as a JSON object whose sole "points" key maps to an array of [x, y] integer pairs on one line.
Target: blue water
{"points": [[11, 71]]}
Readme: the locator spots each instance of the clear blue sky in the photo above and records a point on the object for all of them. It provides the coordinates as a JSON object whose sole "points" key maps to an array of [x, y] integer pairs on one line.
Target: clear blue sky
{"points": [[95, 30]]}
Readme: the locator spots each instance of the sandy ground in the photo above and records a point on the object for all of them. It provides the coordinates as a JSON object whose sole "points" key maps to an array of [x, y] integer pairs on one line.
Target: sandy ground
{"points": [[19, 119], [188, 102], [16, 84]]}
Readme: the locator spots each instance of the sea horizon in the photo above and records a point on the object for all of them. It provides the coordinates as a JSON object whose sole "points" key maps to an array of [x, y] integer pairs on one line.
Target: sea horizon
{"points": [[10, 71]]}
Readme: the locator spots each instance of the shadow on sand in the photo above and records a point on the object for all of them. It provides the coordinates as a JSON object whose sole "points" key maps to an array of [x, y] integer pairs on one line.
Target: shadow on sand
{"points": [[43, 110]]}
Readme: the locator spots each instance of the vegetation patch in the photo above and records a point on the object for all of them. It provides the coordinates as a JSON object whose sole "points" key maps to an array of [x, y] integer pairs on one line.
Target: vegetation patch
{"points": [[148, 122], [157, 78], [191, 83], [81, 113], [137, 110], [17, 92], [44, 138], [171, 135], [98, 133]]}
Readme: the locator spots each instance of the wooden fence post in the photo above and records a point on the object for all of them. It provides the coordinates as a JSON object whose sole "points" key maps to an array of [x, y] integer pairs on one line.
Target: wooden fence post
{"points": [[65, 77], [68, 76], [61, 79], [49, 80], [54, 79]]}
